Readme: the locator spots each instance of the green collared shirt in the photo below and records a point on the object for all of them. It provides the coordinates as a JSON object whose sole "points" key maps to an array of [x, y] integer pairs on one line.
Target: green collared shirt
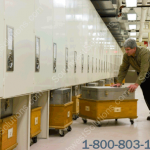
{"points": [[140, 62]]}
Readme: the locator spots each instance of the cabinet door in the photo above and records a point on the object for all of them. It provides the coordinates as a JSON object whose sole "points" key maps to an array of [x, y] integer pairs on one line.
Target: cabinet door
{"points": [[1, 45], [19, 54]]}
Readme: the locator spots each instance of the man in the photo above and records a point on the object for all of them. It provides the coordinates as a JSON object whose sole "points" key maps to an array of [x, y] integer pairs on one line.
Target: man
{"points": [[139, 59]]}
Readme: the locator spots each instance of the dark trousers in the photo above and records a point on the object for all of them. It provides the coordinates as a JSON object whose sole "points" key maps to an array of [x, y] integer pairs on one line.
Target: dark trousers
{"points": [[145, 89]]}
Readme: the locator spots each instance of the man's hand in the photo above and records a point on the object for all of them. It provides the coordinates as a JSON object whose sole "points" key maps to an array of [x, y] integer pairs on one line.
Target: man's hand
{"points": [[116, 85], [133, 87]]}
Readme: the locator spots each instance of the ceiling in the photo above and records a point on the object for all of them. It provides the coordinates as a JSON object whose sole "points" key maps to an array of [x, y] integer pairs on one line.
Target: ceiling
{"points": [[119, 26]]}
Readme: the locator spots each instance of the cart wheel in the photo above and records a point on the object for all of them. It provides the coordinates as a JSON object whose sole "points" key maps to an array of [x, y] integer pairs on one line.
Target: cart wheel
{"points": [[74, 117], [84, 121], [132, 121], [61, 133], [69, 128], [34, 139], [98, 123], [116, 119]]}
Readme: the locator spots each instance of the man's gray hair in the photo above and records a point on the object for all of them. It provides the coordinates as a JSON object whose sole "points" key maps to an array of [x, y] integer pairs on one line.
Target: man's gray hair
{"points": [[130, 43]]}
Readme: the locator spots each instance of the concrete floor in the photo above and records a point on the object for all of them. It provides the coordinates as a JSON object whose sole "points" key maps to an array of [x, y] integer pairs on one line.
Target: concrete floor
{"points": [[110, 130]]}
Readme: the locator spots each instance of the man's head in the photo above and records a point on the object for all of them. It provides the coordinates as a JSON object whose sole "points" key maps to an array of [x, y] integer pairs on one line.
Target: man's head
{"points": [[130, 46]]}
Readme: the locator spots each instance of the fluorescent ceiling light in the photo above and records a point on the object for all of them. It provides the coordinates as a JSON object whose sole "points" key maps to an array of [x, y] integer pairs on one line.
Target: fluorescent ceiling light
{"points": [[132, 26], [131, 15], [132, 33], [131, 3]]}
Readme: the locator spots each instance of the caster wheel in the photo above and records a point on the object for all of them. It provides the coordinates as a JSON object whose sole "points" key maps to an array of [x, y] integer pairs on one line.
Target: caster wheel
{"points": [[148, 118], [132, 121], [69, 129], [84, 121], [61, 133], [74, 117], [78, 116], [98, 124], [34, 139], [116, 119]]}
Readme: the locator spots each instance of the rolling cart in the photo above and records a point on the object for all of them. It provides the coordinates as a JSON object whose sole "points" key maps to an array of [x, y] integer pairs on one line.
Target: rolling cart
{"points": [[101, 103], [8, 125], [101, 83], [35, 123], [107, 82], [61, 117], [92, 84], [112, 81], [100, 110], [75, 112], [61, 108]]}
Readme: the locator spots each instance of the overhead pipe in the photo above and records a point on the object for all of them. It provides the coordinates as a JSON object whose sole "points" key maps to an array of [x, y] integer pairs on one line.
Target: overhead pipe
{"points": [[119, 3], [142, 20], [120, 10]]}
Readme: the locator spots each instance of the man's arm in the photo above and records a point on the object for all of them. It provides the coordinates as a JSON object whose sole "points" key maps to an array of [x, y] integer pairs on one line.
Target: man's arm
{"points": [[144, 67], [123, 69]]}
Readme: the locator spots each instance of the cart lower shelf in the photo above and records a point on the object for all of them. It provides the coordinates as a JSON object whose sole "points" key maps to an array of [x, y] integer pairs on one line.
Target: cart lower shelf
{"points": [[62, 128], [98, 122]]}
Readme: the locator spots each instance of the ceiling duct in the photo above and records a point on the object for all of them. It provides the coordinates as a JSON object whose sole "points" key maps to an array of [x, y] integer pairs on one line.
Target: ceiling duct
{"points": [[108, 10], [105, 7], [115, 28], [124, 33]]}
